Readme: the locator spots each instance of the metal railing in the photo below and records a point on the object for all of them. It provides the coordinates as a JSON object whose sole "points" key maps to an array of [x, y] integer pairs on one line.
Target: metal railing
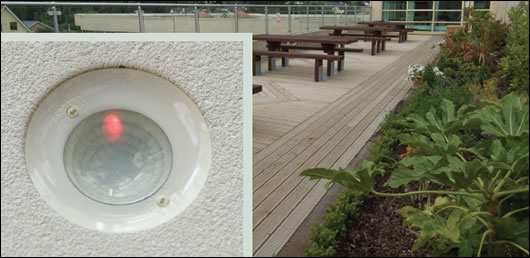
{"points": [[345, 10]]}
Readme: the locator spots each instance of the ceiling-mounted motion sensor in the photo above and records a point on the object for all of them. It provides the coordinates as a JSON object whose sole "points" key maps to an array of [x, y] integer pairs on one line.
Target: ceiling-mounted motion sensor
{"points": [[118, 150]]}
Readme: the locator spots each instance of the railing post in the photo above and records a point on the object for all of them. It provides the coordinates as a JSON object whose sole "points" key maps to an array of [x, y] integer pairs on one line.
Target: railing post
{"points": [[335, 11], [55, 20], [289, 20], [266, 20], [141, 27], [197, 28], [236, 19], [346, 13], [362, 15], [323, 23], [307, 17]]}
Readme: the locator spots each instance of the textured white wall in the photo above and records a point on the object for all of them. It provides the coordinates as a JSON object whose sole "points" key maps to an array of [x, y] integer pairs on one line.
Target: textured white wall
{"points": [[211, 73]]}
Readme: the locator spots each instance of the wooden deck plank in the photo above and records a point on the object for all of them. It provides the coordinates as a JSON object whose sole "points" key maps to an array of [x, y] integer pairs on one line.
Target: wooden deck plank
{"points": [[321, 119], [282, 214], [280, 147]]}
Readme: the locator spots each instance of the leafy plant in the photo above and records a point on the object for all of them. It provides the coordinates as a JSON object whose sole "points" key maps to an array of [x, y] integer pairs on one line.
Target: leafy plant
{"points": [[482, 43], [485, 204], [514, 65]]}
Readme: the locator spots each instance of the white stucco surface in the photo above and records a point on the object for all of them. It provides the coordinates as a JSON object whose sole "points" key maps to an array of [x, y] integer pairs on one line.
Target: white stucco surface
{"points": [[211, 73]]}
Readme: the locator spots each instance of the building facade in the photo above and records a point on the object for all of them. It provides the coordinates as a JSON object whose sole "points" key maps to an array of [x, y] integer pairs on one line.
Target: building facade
{"points": [[434, 16]]}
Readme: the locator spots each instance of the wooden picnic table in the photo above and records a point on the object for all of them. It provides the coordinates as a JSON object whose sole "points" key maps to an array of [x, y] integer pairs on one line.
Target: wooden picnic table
{"points": [[395, 24], [399, 25], [330, 45], [376, 31]]}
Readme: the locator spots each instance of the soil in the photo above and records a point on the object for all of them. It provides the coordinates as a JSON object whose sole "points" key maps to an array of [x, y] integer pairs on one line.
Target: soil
{"points": [[379, 231]]}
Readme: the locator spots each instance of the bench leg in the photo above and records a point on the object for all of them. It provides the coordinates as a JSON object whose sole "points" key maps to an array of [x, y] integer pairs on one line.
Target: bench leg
{"points": [[378, 46], [383, 46], [256, 65], [272, 63], [253, 65], [319, 72], [331, 68], [285, 61], [406, 36], [340, 63], [373, 47]]}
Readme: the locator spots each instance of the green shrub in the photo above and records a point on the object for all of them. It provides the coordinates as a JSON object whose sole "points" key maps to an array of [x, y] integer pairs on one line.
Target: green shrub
{"points": [[383, 148], [325, 237], [514, 66], [460, 72], [426, 97]]}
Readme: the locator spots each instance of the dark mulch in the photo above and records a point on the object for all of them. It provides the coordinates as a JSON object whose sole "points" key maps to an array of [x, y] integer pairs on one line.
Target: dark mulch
{"points": [[378, 231]]}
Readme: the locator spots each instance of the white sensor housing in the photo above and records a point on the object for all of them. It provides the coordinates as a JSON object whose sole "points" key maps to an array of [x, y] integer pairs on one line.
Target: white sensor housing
{"points": [[118, 150]]}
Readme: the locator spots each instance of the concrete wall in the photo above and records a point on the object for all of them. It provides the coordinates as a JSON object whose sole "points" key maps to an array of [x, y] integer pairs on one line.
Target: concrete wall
{"points": [[182, 23], [7, 18], [501, 8], [211, 73], [377, 10]]}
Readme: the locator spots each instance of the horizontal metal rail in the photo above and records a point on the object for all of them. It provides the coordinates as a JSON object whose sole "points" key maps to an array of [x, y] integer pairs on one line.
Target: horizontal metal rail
{"points": [[235, 7], [52, 3]]}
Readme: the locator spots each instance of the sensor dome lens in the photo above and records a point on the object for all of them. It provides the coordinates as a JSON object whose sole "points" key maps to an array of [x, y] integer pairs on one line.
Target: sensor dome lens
{"points": [[118, 157]]}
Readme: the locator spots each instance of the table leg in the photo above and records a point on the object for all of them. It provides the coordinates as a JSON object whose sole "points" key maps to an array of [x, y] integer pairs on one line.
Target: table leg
{"points": [[318, 70], [273, 46], [337, 32], [285, 60], [256, 67], [373, 47], [330, 50]]}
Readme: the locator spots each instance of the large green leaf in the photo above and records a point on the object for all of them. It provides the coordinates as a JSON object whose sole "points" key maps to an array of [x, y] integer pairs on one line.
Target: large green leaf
{"points": [[361, 179], [422, 169], [432, 225], [508, 120]]}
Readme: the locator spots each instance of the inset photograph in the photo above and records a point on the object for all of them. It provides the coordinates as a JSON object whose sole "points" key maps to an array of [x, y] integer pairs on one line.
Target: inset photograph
{"points": [[118, 146]]}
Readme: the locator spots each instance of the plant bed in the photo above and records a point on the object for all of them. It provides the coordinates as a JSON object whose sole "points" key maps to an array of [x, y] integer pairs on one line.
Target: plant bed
{"points": [[378, 230]]}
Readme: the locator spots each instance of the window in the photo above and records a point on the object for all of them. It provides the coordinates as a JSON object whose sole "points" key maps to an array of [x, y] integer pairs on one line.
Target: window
{"points": [[420, 5], [394, 5], [420, 16], [13, 26], [448, 16], [482, 5], [449, 5], [394, 16]]}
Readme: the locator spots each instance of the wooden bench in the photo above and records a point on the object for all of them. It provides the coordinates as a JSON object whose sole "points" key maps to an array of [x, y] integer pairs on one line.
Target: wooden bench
{"points": [[378, 43], [319, 75], [291, 46], [256, 88]]}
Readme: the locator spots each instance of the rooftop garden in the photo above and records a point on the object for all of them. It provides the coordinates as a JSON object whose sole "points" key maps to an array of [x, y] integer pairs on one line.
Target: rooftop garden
{"points": [[449, 171]]}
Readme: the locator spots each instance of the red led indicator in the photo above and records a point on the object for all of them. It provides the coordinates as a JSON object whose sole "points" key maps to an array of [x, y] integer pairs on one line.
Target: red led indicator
{"points": [[112, 127]]}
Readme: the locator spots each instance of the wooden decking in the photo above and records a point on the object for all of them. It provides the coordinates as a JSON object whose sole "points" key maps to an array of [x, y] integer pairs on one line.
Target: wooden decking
{"points": [[294, 130]]}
